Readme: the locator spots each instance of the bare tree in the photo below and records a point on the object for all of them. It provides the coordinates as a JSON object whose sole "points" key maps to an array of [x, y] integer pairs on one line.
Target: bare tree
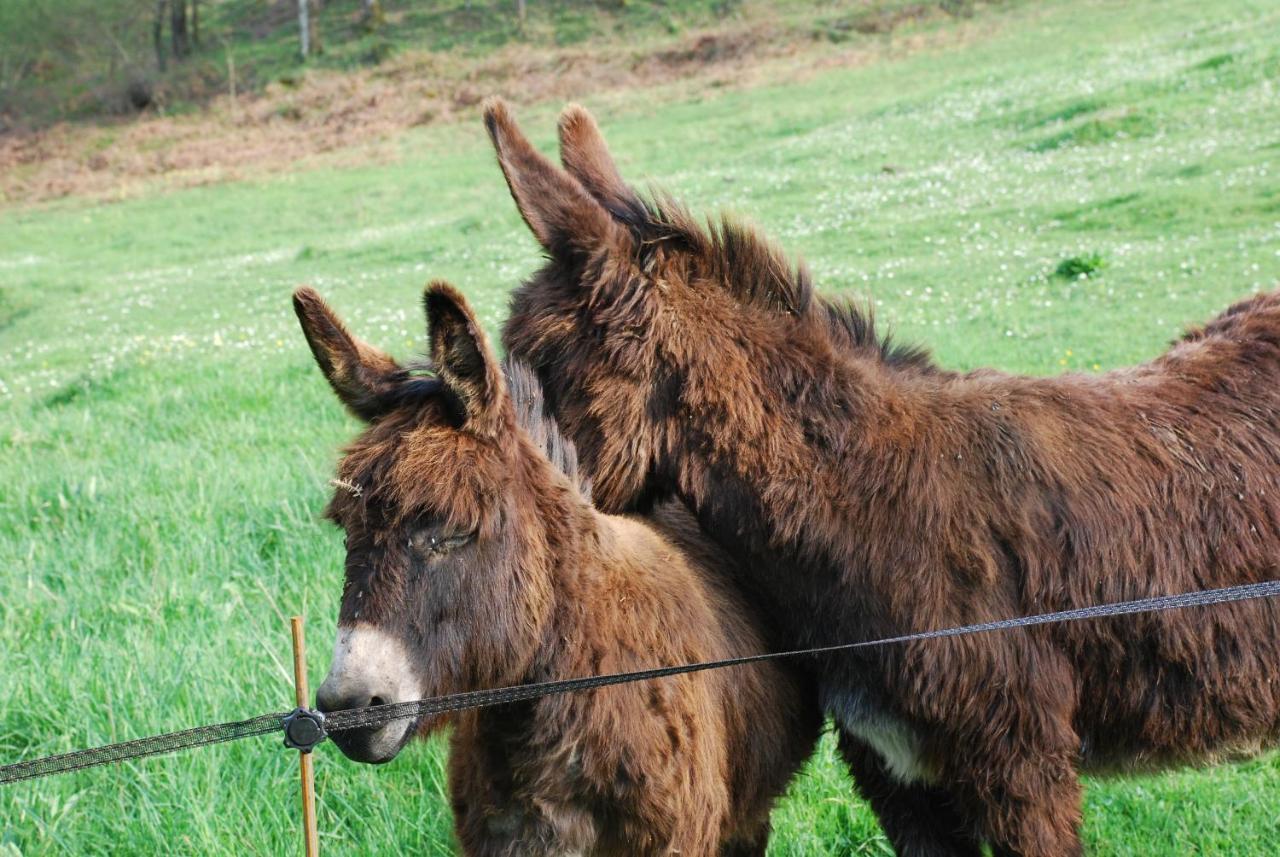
{"points": [[157, 33], [373, 16], [304, 27], [178, 29], [520, 12], [308, 27]]}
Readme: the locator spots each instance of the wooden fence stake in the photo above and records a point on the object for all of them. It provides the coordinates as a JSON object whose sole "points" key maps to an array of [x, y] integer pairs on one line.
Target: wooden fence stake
{"points": [[302, 695]]}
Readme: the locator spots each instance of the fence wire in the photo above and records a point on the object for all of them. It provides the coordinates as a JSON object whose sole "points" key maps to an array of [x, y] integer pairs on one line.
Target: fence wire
{"points": [[361, 718], [217, 733]]}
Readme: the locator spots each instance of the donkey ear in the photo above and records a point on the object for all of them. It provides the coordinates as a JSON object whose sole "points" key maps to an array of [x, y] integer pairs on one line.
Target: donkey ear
{"points": [[461, 355], [364, 378], [564, 218], [585, 155]]}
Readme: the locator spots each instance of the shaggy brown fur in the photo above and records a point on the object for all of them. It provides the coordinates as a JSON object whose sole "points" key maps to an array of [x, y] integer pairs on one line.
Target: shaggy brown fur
{"points": [[864, 493], [490, 566]]}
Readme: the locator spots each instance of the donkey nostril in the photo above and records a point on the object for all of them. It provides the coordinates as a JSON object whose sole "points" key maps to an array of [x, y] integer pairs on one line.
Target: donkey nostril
{"points": [[332, 697], [377, 700]]}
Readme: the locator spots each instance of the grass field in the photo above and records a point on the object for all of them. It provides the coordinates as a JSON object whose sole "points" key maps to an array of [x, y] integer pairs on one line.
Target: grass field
{"points": [[1049, 186]]}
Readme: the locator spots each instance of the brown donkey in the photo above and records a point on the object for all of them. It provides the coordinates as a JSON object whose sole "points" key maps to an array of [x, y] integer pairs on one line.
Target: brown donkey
{"points": [[475, 562], [864, 492]]}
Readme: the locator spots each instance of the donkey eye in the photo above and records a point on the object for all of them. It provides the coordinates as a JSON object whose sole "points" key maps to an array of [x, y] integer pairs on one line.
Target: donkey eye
{"points": [[431, 542]]}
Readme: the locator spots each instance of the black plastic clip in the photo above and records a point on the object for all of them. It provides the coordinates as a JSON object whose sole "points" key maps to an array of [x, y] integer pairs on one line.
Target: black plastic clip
{"points": [[303, 729]]}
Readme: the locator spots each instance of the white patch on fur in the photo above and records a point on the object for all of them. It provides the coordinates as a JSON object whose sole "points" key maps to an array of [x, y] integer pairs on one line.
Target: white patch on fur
{"points": [[896, 742], [897, 745]]}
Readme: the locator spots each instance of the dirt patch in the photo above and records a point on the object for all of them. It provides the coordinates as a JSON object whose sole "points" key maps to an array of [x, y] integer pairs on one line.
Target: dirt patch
{"points": [[712, 48], [883, 21], [339, 118]]}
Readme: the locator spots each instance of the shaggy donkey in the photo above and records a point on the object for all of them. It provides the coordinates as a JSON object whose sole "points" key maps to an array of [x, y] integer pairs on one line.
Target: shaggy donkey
{"points": [[865, 492], [474, 562]]}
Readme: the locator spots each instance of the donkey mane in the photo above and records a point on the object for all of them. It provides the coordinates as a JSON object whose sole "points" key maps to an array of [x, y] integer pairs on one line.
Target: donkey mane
{"points": [[758, 274], [537, 422]]}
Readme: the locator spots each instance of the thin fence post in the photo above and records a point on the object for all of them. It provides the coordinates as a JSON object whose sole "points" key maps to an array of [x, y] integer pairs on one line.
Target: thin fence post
{"points": [[302, 697]]}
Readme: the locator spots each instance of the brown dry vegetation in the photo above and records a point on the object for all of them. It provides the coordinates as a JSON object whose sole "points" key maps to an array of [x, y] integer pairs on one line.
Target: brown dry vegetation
{"points": [[349, 117]]}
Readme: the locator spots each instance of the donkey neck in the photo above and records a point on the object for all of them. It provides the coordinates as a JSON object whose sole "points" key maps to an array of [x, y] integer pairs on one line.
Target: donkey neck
{"points": [[603, 572], [793, 466], [573, 554]]}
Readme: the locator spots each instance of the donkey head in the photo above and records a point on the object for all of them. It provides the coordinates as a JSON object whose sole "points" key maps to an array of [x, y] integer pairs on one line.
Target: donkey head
{"points": [[640, 311], [432, 497]]}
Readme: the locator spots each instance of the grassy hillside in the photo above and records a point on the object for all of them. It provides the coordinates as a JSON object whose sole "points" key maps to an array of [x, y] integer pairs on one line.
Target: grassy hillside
{"points": [[1051, 186], [86, 59], [245, 104]]}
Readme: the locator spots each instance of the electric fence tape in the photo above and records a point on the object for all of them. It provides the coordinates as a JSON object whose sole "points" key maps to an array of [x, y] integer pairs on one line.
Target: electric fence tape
{"points": [[305, 728]]}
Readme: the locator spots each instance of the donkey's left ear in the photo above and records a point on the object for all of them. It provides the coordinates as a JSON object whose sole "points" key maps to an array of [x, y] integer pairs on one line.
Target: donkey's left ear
{"points": [[567, 220], [462, 357]]}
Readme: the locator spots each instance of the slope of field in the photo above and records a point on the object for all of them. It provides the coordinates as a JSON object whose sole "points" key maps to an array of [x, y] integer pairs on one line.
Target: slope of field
{"points": [[245, 105], [1064, 188], [83, 59]]}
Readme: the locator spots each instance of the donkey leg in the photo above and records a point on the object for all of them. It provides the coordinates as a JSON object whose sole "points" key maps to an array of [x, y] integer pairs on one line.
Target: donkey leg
{"points": [[1031, 806], [751, 846], [517, 829], [1014, 759], [919, 820], [491, 819], [746, 849]]}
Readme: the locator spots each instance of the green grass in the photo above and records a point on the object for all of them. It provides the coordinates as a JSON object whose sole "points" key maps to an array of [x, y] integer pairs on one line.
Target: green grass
{"points": [[1080, 267], [165, 439]]}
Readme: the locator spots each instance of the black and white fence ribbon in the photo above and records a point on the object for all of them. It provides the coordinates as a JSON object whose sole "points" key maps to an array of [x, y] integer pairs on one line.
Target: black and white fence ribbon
{"points": [[359, 718]]}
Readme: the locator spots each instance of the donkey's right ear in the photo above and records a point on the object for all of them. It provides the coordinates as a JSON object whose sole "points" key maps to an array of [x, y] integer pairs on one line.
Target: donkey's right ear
{"points": [[364, 378], [566, 220]]}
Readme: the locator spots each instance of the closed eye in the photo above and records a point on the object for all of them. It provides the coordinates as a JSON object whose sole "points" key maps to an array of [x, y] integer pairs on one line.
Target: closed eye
{"points": [[429, 542]]}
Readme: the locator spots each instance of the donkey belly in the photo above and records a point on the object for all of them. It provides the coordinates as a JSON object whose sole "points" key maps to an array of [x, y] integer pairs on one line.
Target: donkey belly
{"points": [[1172, 689], [1198, 732]]}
